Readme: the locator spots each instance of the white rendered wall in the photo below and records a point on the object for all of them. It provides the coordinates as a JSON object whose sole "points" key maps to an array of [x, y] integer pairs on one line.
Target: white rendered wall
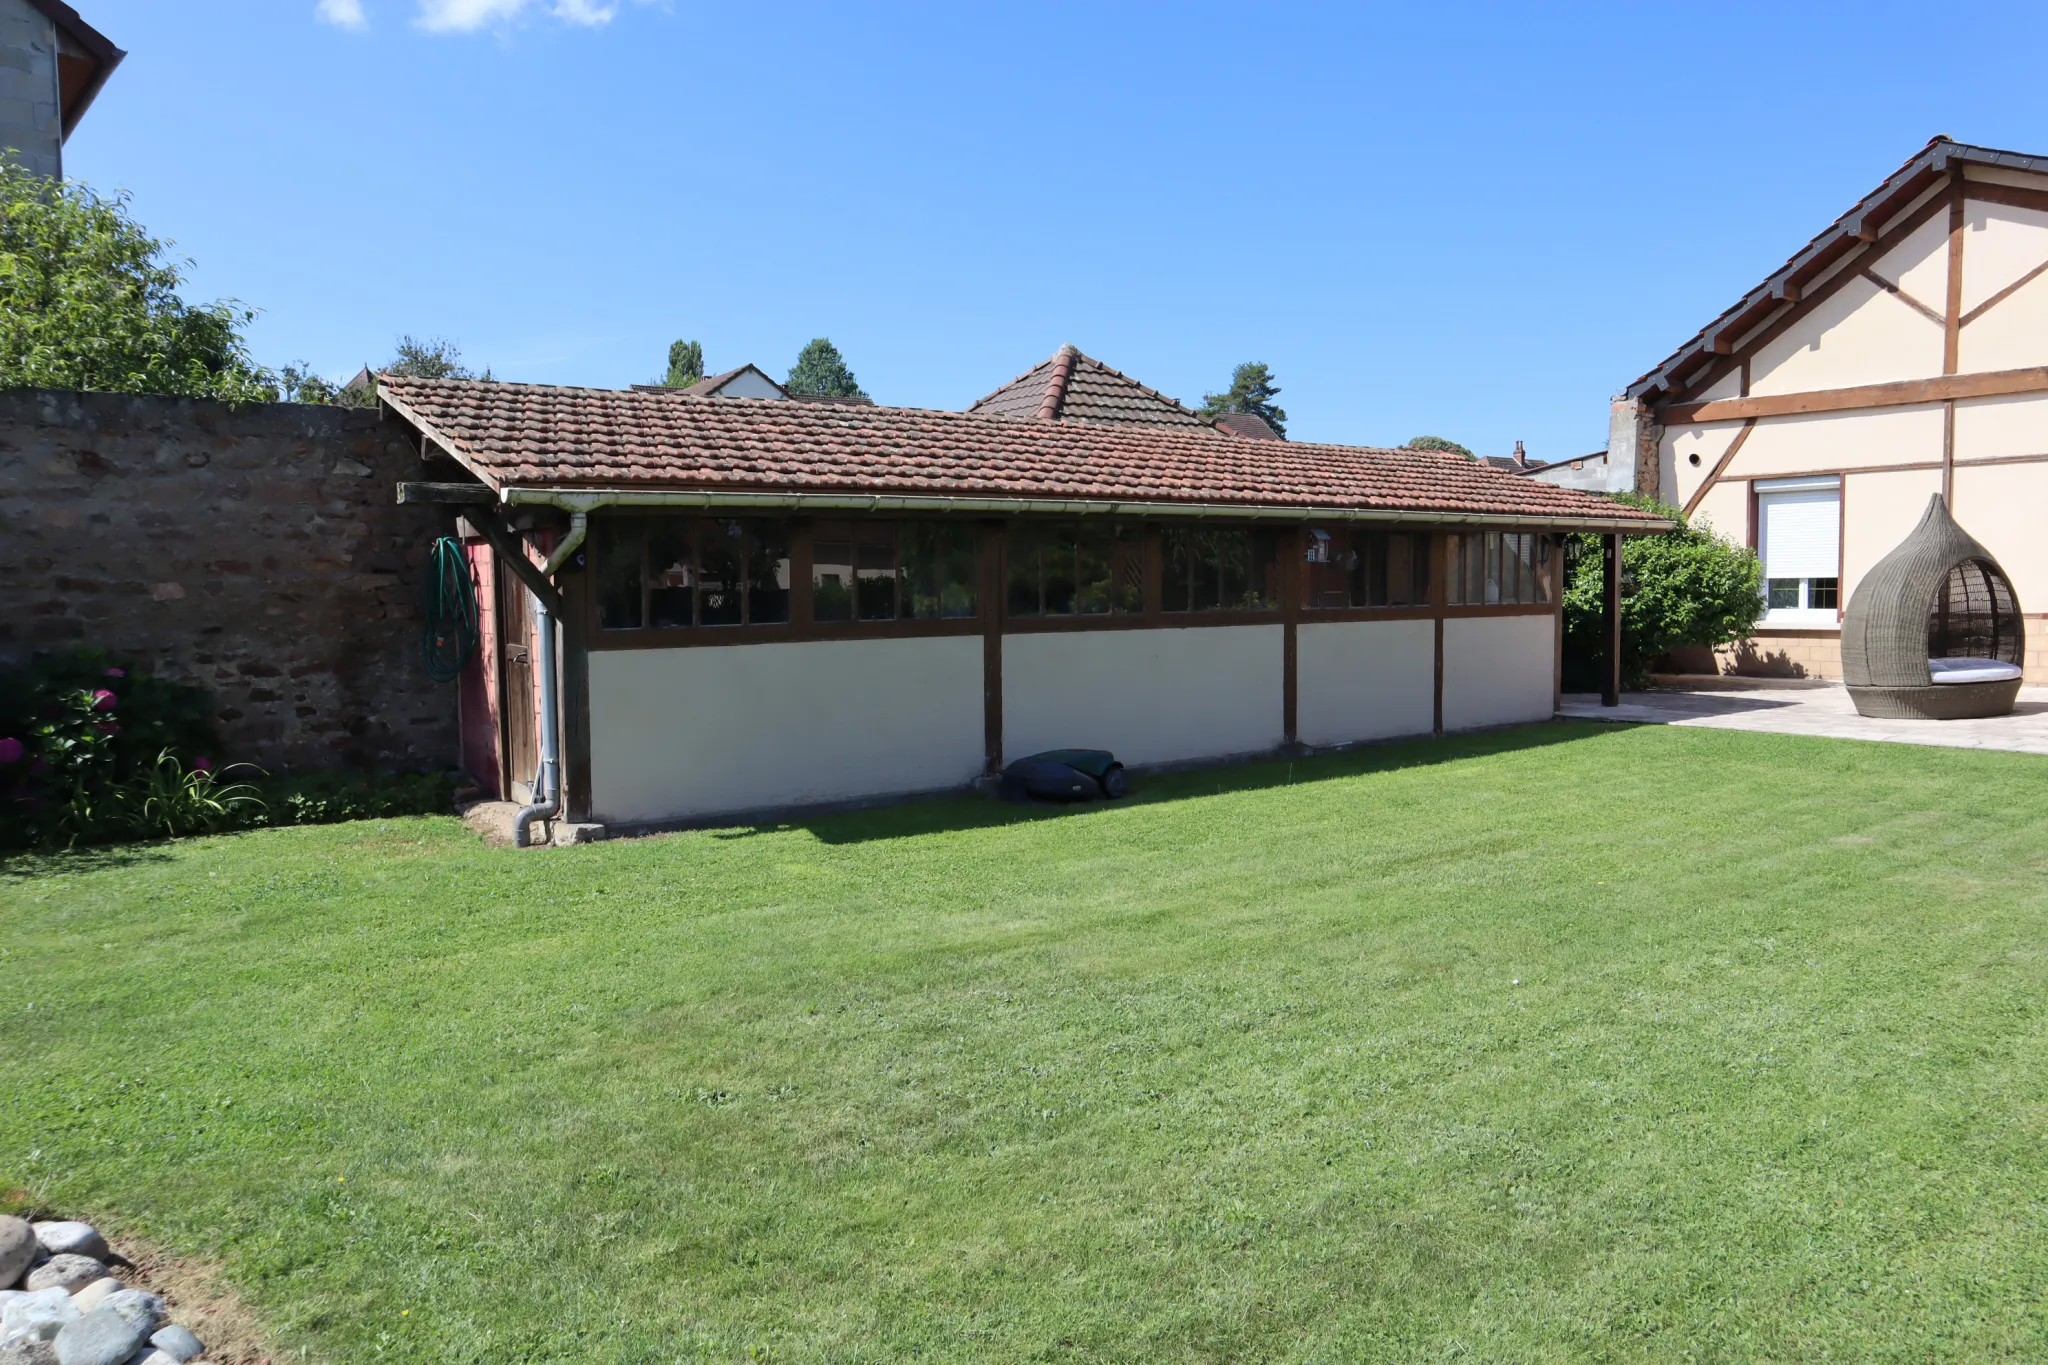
{"points": [[679, 733], [747, 384], [1364, 680], [1499, 670], [1149, 696]]}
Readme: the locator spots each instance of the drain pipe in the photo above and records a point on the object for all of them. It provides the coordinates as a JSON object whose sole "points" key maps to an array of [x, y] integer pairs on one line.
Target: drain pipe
{"points": [[547, 782]]}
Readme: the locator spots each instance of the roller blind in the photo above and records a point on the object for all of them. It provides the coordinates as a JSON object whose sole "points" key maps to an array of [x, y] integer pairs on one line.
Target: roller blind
{"points": [[1800, 533]]}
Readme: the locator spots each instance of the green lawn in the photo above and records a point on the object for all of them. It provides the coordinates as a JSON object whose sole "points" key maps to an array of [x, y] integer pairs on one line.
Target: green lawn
{"points": [[1571, 1043]]}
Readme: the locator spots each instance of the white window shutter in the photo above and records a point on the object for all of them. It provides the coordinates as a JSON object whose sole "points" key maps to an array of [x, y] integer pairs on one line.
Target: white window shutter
{"points": [[1800, 533]]}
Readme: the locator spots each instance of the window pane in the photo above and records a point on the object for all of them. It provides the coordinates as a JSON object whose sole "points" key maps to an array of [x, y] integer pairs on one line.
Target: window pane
{"points": [[1542, 569], [618, 576], [874, 565], [939, 569], [767, 572], [1823, 593], [1056, 556], [1263, 592], [1094, 545], [1492, 568], [1418, 571], [1181, 557], [1234, 558], [719, 584], [1784, 594], [1332, 564], [1127, 570], [670, 573], [1021, 546], [1399, 555], [832, 571], [1475, 569]]}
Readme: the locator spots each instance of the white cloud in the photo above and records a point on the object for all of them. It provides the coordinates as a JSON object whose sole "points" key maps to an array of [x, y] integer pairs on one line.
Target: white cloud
{"points": [[467, 16], [342, 13], [587, 12]]}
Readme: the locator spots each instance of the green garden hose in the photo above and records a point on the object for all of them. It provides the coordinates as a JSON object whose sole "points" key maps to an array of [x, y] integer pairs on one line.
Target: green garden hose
{"points": [[448, 632]]}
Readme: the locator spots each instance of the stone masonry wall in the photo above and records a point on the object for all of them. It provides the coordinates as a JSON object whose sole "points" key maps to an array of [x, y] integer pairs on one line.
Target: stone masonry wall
{"points": [[257, 551]]}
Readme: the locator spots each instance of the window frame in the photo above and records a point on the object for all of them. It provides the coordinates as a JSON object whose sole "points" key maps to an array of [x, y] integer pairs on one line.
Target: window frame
{"points": [[1805, 616]]}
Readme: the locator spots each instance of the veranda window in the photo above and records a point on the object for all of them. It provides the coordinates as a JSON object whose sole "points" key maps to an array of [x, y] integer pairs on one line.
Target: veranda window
{"points": [[893, 571], [676, 572], [1086, 568], [1221, 569], [1353, 568], [1498, 568]]}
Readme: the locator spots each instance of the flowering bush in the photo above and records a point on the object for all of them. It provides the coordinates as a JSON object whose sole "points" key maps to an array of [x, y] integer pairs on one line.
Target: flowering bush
{"points": [[83, 744]]}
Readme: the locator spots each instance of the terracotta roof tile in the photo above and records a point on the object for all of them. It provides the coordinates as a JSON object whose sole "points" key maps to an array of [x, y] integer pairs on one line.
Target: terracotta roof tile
{"points": [[1072, 387], [540, 436]]}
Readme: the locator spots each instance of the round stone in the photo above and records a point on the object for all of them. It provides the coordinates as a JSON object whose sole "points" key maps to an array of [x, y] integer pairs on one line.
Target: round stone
{"points": [[140, 1307], [73, 1239], [68, 1273], [178, 1343], [38, 1314], [88, 1298], [101, 1337], [17, 1250]]}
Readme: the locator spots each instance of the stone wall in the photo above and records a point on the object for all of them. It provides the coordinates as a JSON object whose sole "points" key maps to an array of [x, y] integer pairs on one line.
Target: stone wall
{"points": [[257, 551], [29, 121]]}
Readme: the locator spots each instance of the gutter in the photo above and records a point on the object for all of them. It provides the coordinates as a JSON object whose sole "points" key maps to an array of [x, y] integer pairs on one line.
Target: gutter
{"points": [[579, 505]]}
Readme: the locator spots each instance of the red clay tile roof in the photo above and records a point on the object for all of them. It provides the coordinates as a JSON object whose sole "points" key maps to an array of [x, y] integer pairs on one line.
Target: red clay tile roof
{"points": [[1249, 425], [1072, 387], [534, 435]]}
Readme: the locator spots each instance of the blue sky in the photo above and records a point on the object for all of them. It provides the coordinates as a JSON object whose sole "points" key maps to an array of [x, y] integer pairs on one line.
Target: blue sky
{"points": [[1471, 220]]}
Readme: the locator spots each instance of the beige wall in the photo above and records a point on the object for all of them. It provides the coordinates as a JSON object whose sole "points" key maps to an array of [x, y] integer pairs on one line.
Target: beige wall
{"points": [[1150, 696], [1877, 512], [2005, 506], [1499, 670], [676, 733], [1781, 446], [1359, 680]]}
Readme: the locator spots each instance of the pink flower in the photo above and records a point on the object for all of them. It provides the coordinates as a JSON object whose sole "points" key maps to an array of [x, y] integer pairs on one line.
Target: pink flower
{"points": [[104, 700], [117, 672], [10, 750], [202, 764]]}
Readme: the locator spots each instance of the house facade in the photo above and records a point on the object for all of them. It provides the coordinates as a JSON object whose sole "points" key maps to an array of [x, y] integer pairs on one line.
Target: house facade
{"points": [[52, 64], [766, 604], [1902, 353]]}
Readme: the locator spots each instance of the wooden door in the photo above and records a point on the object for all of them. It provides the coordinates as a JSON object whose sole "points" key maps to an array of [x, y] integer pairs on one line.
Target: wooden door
{"points": [[521, 748]]}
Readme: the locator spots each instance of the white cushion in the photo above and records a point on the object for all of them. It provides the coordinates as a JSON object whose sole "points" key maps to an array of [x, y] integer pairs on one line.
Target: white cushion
{"points": [[1972, 670]]}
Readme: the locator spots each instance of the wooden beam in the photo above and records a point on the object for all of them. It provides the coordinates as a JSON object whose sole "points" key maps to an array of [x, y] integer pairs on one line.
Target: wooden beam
{"points": [[457, 494], [1952, 318], [1903, 297], [2012, 196], [1898, 393], [1720, 467], [1610, 608], [2002, 295], [512, 551]]}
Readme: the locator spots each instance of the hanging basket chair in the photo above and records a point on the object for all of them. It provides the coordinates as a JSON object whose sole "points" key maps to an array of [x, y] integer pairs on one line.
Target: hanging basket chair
{"points": [[1934, 631]]}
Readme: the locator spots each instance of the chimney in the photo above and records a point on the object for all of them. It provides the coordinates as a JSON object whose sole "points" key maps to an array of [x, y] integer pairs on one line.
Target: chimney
{"points": [[1521, 460]]}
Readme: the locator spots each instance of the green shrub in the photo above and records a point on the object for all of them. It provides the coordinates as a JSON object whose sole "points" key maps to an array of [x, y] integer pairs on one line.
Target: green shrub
{"points": [[1684, 587], [92, 751]]}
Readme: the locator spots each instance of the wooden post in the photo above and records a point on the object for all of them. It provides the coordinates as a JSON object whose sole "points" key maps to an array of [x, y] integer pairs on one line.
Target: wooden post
{"points": [[1610, 605]]}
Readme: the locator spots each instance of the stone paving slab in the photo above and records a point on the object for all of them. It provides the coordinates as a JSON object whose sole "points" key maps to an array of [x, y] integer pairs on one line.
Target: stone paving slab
{"points": [[1813, 708]]}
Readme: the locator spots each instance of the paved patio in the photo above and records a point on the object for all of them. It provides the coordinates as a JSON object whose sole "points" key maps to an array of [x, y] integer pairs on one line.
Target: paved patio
{"points": [[1794, 707]]}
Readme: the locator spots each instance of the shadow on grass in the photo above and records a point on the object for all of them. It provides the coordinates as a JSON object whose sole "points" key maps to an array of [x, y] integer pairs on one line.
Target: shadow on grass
{"points": [[950, 813], [24, 864]]}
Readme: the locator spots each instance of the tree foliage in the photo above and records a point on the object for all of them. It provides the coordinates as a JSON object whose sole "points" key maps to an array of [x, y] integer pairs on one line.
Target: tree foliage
{"points": [[1684, 587], [685, 364], [821, 372], [1251, 390], [433, 358], [1440, 443], [89, 300]]}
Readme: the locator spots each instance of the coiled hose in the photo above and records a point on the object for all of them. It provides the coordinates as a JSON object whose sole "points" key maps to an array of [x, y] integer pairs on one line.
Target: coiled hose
{"points": [[449, 635]]}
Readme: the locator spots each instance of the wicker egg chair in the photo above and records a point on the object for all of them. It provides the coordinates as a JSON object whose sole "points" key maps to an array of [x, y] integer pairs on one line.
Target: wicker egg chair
{"points": [[1934, 631]]}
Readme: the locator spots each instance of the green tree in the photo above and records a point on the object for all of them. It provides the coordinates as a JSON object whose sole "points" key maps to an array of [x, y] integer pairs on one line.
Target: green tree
{"points": [[433, 358], [1439, 443], [89, 300], [820, 372], [1251, 390], [685, 364], [1684, 587]]}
